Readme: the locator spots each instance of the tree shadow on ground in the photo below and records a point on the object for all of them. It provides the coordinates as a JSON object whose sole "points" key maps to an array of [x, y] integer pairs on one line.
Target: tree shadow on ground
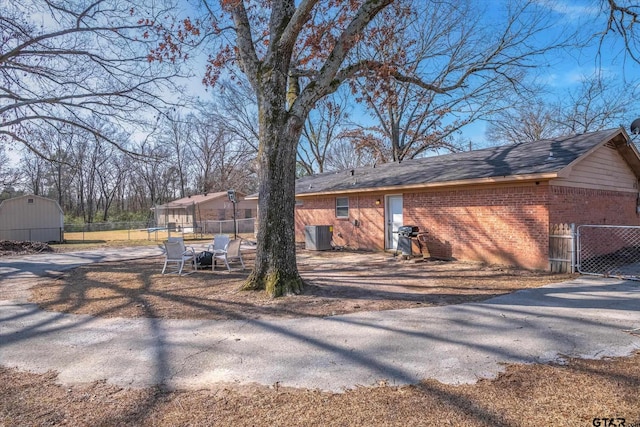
{"points": [[124, 289]]}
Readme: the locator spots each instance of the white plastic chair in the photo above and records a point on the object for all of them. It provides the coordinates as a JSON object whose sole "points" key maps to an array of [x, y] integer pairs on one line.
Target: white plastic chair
{"points": [[176, 252], [220, 242], [181, 241], [176, 239], [230, 253]]}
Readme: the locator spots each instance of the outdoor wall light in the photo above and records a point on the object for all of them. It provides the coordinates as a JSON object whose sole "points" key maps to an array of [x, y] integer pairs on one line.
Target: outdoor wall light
{"points": [[377, 201]]}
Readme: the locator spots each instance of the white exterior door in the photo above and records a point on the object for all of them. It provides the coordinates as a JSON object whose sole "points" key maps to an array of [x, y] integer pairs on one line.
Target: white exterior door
{"points": [[393, 220]]}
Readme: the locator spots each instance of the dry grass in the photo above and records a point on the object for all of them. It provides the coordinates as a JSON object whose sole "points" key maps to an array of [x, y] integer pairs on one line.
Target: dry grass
{"points": [[570, 394], [530, 395]]}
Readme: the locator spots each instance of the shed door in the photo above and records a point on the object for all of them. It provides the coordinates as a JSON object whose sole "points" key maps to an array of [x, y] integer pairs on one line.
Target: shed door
{"points": [[393, 220]]}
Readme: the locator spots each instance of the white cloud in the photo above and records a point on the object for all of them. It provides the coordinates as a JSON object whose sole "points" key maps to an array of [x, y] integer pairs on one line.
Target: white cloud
{"points": [[570, 10], [550, 79], [581, 74]]}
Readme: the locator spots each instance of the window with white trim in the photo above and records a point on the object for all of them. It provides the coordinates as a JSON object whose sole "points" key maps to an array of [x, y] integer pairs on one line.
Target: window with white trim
{"points": [[342, 207]]}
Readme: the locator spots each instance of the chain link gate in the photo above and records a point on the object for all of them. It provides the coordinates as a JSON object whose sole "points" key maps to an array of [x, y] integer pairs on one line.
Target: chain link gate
{"points": [[609, 250]]}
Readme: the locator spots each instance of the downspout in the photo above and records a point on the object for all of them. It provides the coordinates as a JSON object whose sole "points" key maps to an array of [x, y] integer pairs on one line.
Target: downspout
{"points": [[574, 248], [358, 223]]}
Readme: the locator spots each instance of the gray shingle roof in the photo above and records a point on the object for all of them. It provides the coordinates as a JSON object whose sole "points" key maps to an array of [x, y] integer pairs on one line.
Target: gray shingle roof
{"points": [[531, 158]]}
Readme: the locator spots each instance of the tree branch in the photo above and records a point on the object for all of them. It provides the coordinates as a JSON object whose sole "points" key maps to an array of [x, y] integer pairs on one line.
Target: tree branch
{"points": [[248, 57], [295, 24], [348, 38]]}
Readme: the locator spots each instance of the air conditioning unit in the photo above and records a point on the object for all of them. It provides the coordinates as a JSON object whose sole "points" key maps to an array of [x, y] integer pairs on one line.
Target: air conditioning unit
{"points": [[318, 237]]}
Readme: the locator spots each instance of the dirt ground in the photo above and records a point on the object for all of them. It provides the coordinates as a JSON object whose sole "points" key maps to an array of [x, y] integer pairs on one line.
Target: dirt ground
{"points": [[336, 283], [578, 392]]}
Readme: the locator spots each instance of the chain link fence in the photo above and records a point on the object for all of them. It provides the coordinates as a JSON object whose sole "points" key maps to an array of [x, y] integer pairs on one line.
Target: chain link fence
{"points": [[244, 226], [107, 226], [140, 230], [609, 250]]}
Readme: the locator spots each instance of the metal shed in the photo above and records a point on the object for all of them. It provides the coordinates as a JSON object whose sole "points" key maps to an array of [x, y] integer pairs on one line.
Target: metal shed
{"points": [[31, 218]]}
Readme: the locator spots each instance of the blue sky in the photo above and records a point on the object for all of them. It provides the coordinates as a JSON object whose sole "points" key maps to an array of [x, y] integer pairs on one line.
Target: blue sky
{"points": [[588, 19], [565, 70], [558, 72]]}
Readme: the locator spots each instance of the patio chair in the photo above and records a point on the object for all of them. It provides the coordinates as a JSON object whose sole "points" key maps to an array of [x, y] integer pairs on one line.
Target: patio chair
{"points": [[219, 244], [181, 241], [177, 252], [230, 253]]}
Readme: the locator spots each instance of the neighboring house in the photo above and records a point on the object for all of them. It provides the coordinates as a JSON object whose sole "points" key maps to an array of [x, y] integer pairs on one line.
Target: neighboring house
{"points": [[192, 212], [31, 218], [494, 205]]}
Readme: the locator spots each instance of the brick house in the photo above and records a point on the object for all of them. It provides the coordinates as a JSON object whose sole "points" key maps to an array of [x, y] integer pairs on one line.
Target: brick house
{"points": [[494, 205], [192, 211]]}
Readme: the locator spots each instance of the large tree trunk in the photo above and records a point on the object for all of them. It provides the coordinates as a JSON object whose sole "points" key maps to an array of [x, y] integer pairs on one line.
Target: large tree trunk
{"points": [[281, 118], [276, 270]]}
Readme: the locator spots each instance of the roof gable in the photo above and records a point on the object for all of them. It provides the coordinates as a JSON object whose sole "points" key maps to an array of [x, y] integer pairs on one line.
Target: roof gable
{"points": [[42, 199], [545, 159], [199, 199]]}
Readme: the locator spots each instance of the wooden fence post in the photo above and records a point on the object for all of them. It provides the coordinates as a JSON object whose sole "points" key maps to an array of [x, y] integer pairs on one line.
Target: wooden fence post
{"points": [[562, 248]]}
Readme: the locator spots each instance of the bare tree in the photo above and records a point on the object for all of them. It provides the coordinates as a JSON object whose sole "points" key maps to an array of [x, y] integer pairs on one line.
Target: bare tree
{"points": [[472, 67], [236, 107], [322, 129], [623, 18], [57, 147], [111, 176], [207, 141], [343, 154], [596, 104], [153, 181], [528, 121], [88, 156], [9, 176], [78, 64], [222, 161], [235, 167], [34, 172], [176, 134]]}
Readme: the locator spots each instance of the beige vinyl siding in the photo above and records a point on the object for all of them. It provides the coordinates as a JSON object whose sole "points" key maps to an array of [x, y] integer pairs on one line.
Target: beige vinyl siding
{"points": [[604, 169], [19, 213], [41, 220]]}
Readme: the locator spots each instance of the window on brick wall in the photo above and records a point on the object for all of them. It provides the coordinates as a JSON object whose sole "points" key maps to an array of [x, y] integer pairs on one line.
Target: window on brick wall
{"points": [[342, 207]]}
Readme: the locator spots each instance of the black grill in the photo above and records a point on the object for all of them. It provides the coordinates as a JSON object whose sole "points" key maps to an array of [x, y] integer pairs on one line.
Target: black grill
{"points": [[408, 231]]}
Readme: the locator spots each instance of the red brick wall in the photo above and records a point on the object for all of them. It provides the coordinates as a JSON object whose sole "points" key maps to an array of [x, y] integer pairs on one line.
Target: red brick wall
{"points": [[587, 206], [368, 234], [504, 225], [499, 224], [583, 206], [223, 210]]}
